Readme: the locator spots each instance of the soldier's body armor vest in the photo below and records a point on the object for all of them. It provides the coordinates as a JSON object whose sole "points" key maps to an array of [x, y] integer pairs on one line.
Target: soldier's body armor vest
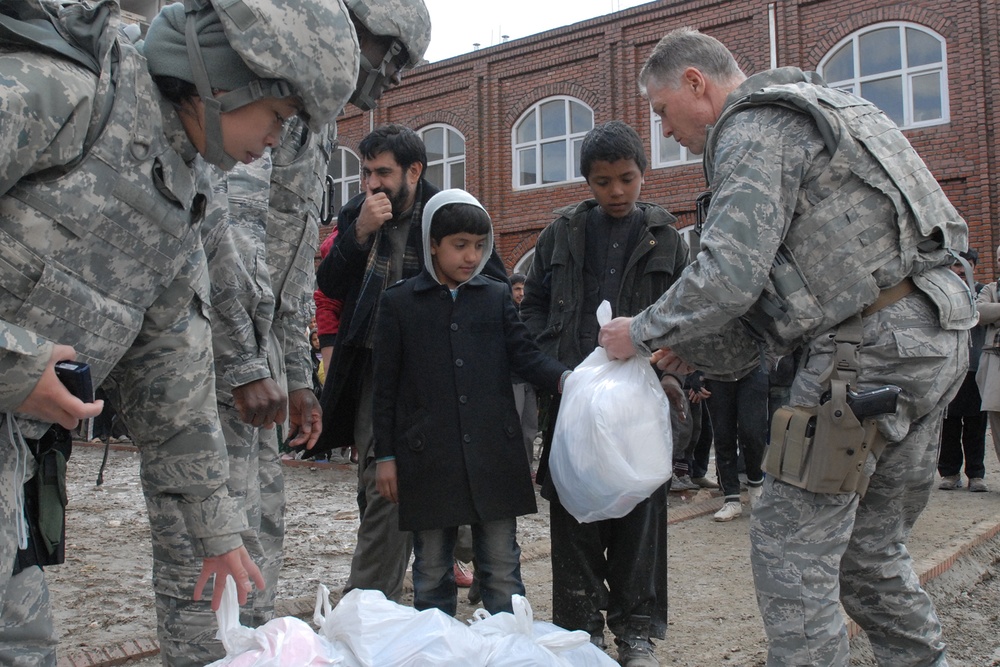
{"points": [[884, 212], [297, 185], [85, 251]]}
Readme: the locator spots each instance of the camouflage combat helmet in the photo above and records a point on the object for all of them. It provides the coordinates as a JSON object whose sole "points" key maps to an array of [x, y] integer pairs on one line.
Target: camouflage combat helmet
{"points": [[409, 24], [306, 48]]}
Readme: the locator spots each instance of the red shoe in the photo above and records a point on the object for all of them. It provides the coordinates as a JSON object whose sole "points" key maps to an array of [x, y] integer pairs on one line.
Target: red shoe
{"points": [[463, 575]]}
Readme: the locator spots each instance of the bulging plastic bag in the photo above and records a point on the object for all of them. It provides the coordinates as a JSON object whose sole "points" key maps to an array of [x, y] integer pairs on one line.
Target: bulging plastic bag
{"points": [[516, 640], [281, 642], [611, 447], [377, 632]]}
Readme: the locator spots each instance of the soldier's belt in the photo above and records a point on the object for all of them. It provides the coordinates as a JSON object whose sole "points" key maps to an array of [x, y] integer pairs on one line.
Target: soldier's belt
{"points": [[887, 297]]}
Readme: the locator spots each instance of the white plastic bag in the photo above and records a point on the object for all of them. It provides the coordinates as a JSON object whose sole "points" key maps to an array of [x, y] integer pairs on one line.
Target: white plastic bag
{"points": [[281, 642], [380, 633], [611, 447], [516, 640]]}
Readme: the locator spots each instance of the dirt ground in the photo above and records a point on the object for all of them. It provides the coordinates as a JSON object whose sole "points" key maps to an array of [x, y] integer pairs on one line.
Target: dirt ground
{"points": [[103, 596]]}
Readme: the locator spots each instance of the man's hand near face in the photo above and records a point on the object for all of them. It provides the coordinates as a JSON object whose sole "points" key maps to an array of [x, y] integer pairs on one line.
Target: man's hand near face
{"points": [[375, 212]]}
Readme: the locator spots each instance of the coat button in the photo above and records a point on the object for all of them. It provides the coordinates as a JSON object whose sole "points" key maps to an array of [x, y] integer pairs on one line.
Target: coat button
{"points": [[466, 438], [459, 363], [463, 399], [454, 326]]}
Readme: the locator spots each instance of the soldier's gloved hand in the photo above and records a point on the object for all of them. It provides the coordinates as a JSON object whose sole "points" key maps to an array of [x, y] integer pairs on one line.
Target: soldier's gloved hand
{"points": [[261, 403], [305, 418], [50, 401], [238, 563]]}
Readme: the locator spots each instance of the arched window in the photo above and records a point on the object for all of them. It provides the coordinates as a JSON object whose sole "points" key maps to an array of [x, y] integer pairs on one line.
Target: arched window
{"points": [[900, 67], [445, 156], [667, 152], [547, 140], [345, 170]]}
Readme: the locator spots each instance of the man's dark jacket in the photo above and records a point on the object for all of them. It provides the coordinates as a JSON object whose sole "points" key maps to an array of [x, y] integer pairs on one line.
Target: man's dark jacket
{"points": [[339, 276]]}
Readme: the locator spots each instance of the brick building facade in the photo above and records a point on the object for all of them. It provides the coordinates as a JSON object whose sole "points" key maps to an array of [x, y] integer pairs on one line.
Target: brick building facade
{"points": [[484, 94]]}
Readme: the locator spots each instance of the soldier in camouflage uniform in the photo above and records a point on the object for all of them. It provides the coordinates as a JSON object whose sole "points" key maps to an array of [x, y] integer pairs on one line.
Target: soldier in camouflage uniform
{"points": [[102, 194], [821, 215], [274, 212]]}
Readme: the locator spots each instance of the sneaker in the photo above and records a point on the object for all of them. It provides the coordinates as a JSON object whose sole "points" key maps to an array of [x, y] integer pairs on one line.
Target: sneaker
{"points": [[950, 482], [754, 493], [729, 511], [463, 575], [976, 484], [683, 483], [636, 653], [705, 482]]}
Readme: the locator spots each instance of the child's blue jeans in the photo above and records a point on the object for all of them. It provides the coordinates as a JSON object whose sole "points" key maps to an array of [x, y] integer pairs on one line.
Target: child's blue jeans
{"points": [[497, 562]]}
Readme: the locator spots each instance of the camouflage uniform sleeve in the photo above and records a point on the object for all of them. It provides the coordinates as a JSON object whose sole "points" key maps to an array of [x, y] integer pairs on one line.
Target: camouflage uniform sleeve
{"points": [[293, 239], [242, 303], [166, 383], [761, 157], [45, 110], [23, 357]]}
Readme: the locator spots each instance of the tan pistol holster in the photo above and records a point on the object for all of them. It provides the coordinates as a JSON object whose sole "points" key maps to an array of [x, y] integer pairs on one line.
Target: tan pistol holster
{"points": [[824, 448]]}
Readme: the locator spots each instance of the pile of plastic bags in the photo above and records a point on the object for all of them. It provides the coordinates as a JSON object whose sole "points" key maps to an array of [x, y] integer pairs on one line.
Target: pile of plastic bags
{"points": [[367, 630]]}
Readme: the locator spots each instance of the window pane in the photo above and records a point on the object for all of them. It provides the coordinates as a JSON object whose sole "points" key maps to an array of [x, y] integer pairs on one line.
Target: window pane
{"points": [[553, 119], [352, 165], [526, 130], [526, 162], [554, 162], [434, 142], [841, 66], [670, 150], [926, 97], [435, 174], [921, 48], [458, 175], [353, 189], [880, 51], [887, 95], [577, 145], [336, 166], [581, 118], [456, 144]]}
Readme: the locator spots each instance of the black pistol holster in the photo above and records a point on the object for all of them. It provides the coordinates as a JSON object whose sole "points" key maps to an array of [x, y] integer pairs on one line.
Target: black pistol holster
{"points": [[45, 501], [824, 448]]}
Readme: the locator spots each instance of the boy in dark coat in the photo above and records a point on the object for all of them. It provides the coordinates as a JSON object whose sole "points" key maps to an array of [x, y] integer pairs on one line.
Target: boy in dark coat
{"points": [[447, 436]]}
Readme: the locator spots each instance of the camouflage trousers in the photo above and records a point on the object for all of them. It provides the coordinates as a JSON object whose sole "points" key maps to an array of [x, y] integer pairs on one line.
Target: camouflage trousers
{"points": [[27, 635], [186, 629], [808, 551]]}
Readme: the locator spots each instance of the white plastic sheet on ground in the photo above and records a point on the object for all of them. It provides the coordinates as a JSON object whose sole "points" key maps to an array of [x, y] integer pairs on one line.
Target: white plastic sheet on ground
{"points": [[612, 446]]}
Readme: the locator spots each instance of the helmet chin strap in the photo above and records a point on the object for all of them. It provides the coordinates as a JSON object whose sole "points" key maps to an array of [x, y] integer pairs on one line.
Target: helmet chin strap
{"points": [[366, 95], [214, 152]]}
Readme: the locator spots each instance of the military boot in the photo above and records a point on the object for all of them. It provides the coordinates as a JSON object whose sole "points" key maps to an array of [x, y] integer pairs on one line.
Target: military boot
{"points": [[634, 646]]}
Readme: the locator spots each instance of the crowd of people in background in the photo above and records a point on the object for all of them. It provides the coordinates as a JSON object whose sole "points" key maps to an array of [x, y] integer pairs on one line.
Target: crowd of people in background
{"points": [[420, 360]]}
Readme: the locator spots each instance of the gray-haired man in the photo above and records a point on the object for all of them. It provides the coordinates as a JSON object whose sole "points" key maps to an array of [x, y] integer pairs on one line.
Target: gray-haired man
{"points": [[826, 232]]}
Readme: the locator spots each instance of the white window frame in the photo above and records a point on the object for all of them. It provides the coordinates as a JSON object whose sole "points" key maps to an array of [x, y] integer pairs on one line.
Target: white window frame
{"points": [[449, 160], [345, 181], [906, 73], [571, 140], [656, 132]]}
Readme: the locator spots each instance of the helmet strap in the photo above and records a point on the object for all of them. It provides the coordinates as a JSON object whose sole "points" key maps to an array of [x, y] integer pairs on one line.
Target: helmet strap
{"points": [[214, 152], [375, 78]]}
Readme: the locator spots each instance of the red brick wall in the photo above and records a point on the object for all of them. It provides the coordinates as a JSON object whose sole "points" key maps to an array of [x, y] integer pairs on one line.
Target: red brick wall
{"points": [[482, 94]]}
